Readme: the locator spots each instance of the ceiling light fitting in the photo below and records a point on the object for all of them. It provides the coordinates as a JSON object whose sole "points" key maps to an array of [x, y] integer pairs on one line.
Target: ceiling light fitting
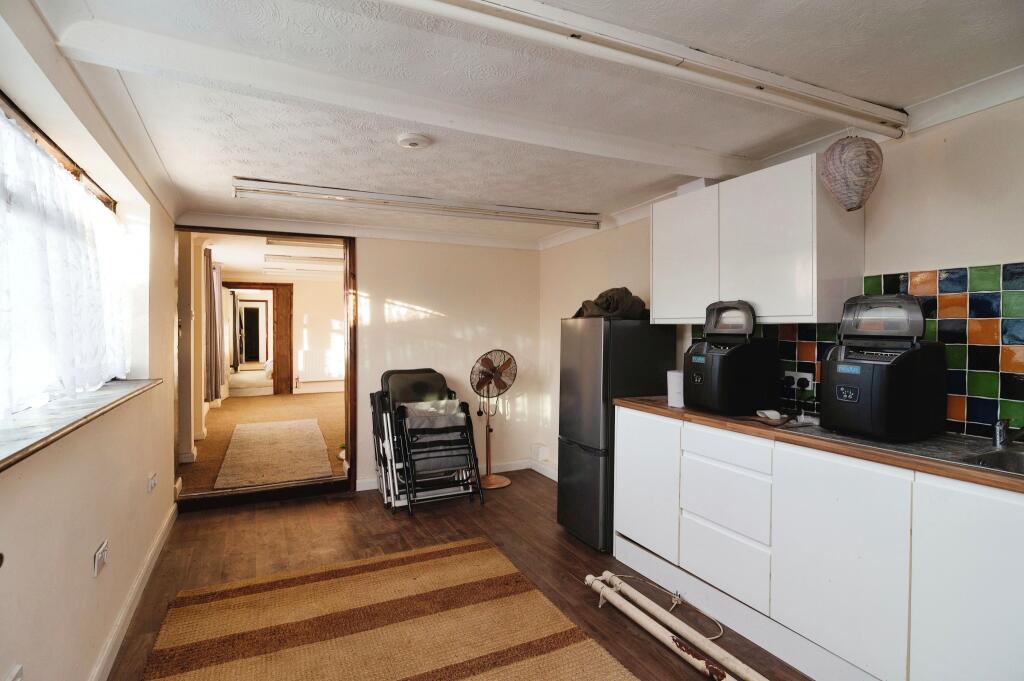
{"points": [[413, 140], [696, 68], [249, 188], [303, 260], [307, 242]]}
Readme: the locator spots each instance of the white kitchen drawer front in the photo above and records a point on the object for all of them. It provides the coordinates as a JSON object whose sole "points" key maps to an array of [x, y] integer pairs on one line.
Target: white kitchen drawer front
{"points": [[736, 565], [745, 451], [735, 498]]}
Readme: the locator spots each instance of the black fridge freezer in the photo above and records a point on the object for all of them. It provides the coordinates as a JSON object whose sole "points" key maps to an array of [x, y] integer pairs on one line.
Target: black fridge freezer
{"points": [[601, 359]]}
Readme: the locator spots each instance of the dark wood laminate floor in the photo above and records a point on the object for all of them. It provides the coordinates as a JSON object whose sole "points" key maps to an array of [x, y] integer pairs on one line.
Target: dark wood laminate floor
{"points": [[218, 545]]}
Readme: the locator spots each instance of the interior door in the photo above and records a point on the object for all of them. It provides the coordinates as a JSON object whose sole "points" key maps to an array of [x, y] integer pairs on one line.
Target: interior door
{"points": [[766, 239]]}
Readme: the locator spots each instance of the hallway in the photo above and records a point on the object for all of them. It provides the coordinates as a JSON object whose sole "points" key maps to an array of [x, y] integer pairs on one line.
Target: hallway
{"points": [[327, 408]]}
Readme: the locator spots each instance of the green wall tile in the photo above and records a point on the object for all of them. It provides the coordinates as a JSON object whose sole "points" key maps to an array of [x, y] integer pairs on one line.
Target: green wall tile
{"points": [[827, 332], [1013, 411], [1013, 303], [956, 356], [987, 278], [873, 285], [983, 384], [788, 365], [931, 329]]}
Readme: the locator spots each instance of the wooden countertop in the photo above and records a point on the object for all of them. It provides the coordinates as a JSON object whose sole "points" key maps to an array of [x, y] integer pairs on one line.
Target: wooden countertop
{"points": [[942, 455]]}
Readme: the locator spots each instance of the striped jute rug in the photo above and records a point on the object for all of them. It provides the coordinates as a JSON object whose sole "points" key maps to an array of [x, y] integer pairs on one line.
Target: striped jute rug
{"points": [[447, 612]]}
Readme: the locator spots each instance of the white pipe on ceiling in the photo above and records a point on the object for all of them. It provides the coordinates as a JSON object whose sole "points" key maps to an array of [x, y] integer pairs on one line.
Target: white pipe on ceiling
{"points": [[891, 125]]}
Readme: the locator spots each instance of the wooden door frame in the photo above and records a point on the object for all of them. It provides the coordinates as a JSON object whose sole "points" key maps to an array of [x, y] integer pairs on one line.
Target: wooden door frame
{"points": [[283, 360], [266, 316], [351, 299]]}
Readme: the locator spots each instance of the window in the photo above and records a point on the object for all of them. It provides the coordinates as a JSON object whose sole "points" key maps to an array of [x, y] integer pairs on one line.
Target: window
{"points": [[64, 315]]}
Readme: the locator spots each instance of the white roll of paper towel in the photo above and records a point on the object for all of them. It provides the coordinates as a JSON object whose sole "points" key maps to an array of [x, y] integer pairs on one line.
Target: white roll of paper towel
{"points": [[675, 388]]}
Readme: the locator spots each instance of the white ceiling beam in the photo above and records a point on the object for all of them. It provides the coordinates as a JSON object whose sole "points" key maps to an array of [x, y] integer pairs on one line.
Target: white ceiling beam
{"points": [[132, 50], [569, 31]]}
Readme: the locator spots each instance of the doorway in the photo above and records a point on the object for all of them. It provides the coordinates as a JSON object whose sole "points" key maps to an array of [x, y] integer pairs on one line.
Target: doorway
{"points": [[270, 355]]}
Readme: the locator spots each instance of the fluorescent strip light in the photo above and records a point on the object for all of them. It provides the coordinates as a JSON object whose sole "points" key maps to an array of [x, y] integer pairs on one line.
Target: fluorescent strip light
{"points": [[704, 71], [304, 260], [248, 188], [306, 241]]}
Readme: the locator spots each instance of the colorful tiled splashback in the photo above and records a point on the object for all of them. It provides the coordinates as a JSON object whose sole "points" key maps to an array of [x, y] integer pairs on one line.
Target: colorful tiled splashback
{"points": [[978, 312]]}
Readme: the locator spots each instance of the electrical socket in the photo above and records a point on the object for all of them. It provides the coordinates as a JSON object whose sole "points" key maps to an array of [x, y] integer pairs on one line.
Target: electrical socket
{"points": [[151, 483], [797, 375], [17, 674], [99, 559]]}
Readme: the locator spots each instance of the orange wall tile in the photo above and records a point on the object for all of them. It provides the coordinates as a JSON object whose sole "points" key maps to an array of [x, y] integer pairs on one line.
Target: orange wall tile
{"points": [[983, 331], [1011, 358], [924, 283], [806, 351], [952, 306], [956, 408]]}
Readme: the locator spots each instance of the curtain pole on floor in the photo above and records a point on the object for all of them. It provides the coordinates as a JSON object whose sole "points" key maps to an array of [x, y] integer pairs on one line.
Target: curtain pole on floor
{"points": [[691, 655], [740, 669]]}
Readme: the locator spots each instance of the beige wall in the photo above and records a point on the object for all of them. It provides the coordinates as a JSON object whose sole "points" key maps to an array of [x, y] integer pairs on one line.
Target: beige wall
{"points": [[951, 195], [58, 505], [442, 306], [574, 272]]}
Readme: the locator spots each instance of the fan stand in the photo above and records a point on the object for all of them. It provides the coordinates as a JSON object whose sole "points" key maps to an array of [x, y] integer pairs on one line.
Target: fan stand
{"points": [[491, 480]]}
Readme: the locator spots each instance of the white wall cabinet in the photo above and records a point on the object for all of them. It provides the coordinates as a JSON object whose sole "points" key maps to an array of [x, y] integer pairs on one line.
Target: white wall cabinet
{"points": [[967, 596], [774, 238], [647, 459], [684, 224], [840, 557]]}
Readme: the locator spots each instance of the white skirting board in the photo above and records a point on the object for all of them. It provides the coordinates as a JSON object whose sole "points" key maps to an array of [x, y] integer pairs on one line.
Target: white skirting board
{"points": [[786, 644], [108, 654]]}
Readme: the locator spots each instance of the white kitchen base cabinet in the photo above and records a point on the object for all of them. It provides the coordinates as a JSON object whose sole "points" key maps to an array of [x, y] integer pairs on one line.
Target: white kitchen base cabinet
{"points": [[967, 593], [647, 460], [840, 556]]}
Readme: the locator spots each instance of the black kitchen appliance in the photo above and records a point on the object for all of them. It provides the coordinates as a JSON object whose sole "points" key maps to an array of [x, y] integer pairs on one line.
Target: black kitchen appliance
{"points": [[882, 381], [601, 359], [731, 371]]}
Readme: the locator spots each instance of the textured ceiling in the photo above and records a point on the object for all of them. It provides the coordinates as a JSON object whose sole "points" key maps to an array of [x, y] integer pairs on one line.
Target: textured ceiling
{"points": [[422, 54], [893, 52], [205, 137], [205, 131]]}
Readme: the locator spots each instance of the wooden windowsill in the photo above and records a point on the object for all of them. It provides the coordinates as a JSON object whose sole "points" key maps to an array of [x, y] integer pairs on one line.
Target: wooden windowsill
{"points": [[29, 431]]}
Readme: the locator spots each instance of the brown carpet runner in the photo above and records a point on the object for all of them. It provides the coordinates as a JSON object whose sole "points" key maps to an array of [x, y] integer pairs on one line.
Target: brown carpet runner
{"points": [[455, 611]]}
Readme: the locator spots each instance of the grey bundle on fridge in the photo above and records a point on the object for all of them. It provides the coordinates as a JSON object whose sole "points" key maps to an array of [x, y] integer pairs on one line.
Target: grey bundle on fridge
{"points": [[423, 440]]}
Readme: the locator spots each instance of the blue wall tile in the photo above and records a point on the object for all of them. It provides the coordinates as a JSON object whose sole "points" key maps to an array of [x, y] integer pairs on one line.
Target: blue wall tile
{"points": [[953, 281], [1013, 332], [956, 382], [981, 410], [953, 330], [1013, 276], [929, 306], [985, 305]]}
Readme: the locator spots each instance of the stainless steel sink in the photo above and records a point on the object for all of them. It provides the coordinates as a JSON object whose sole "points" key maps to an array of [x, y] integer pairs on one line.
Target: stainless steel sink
{"points": [[1010, 459]]}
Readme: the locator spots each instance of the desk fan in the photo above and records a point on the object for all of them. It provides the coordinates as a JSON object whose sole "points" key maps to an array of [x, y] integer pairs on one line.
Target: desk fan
{"points": [[492, 374]]}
